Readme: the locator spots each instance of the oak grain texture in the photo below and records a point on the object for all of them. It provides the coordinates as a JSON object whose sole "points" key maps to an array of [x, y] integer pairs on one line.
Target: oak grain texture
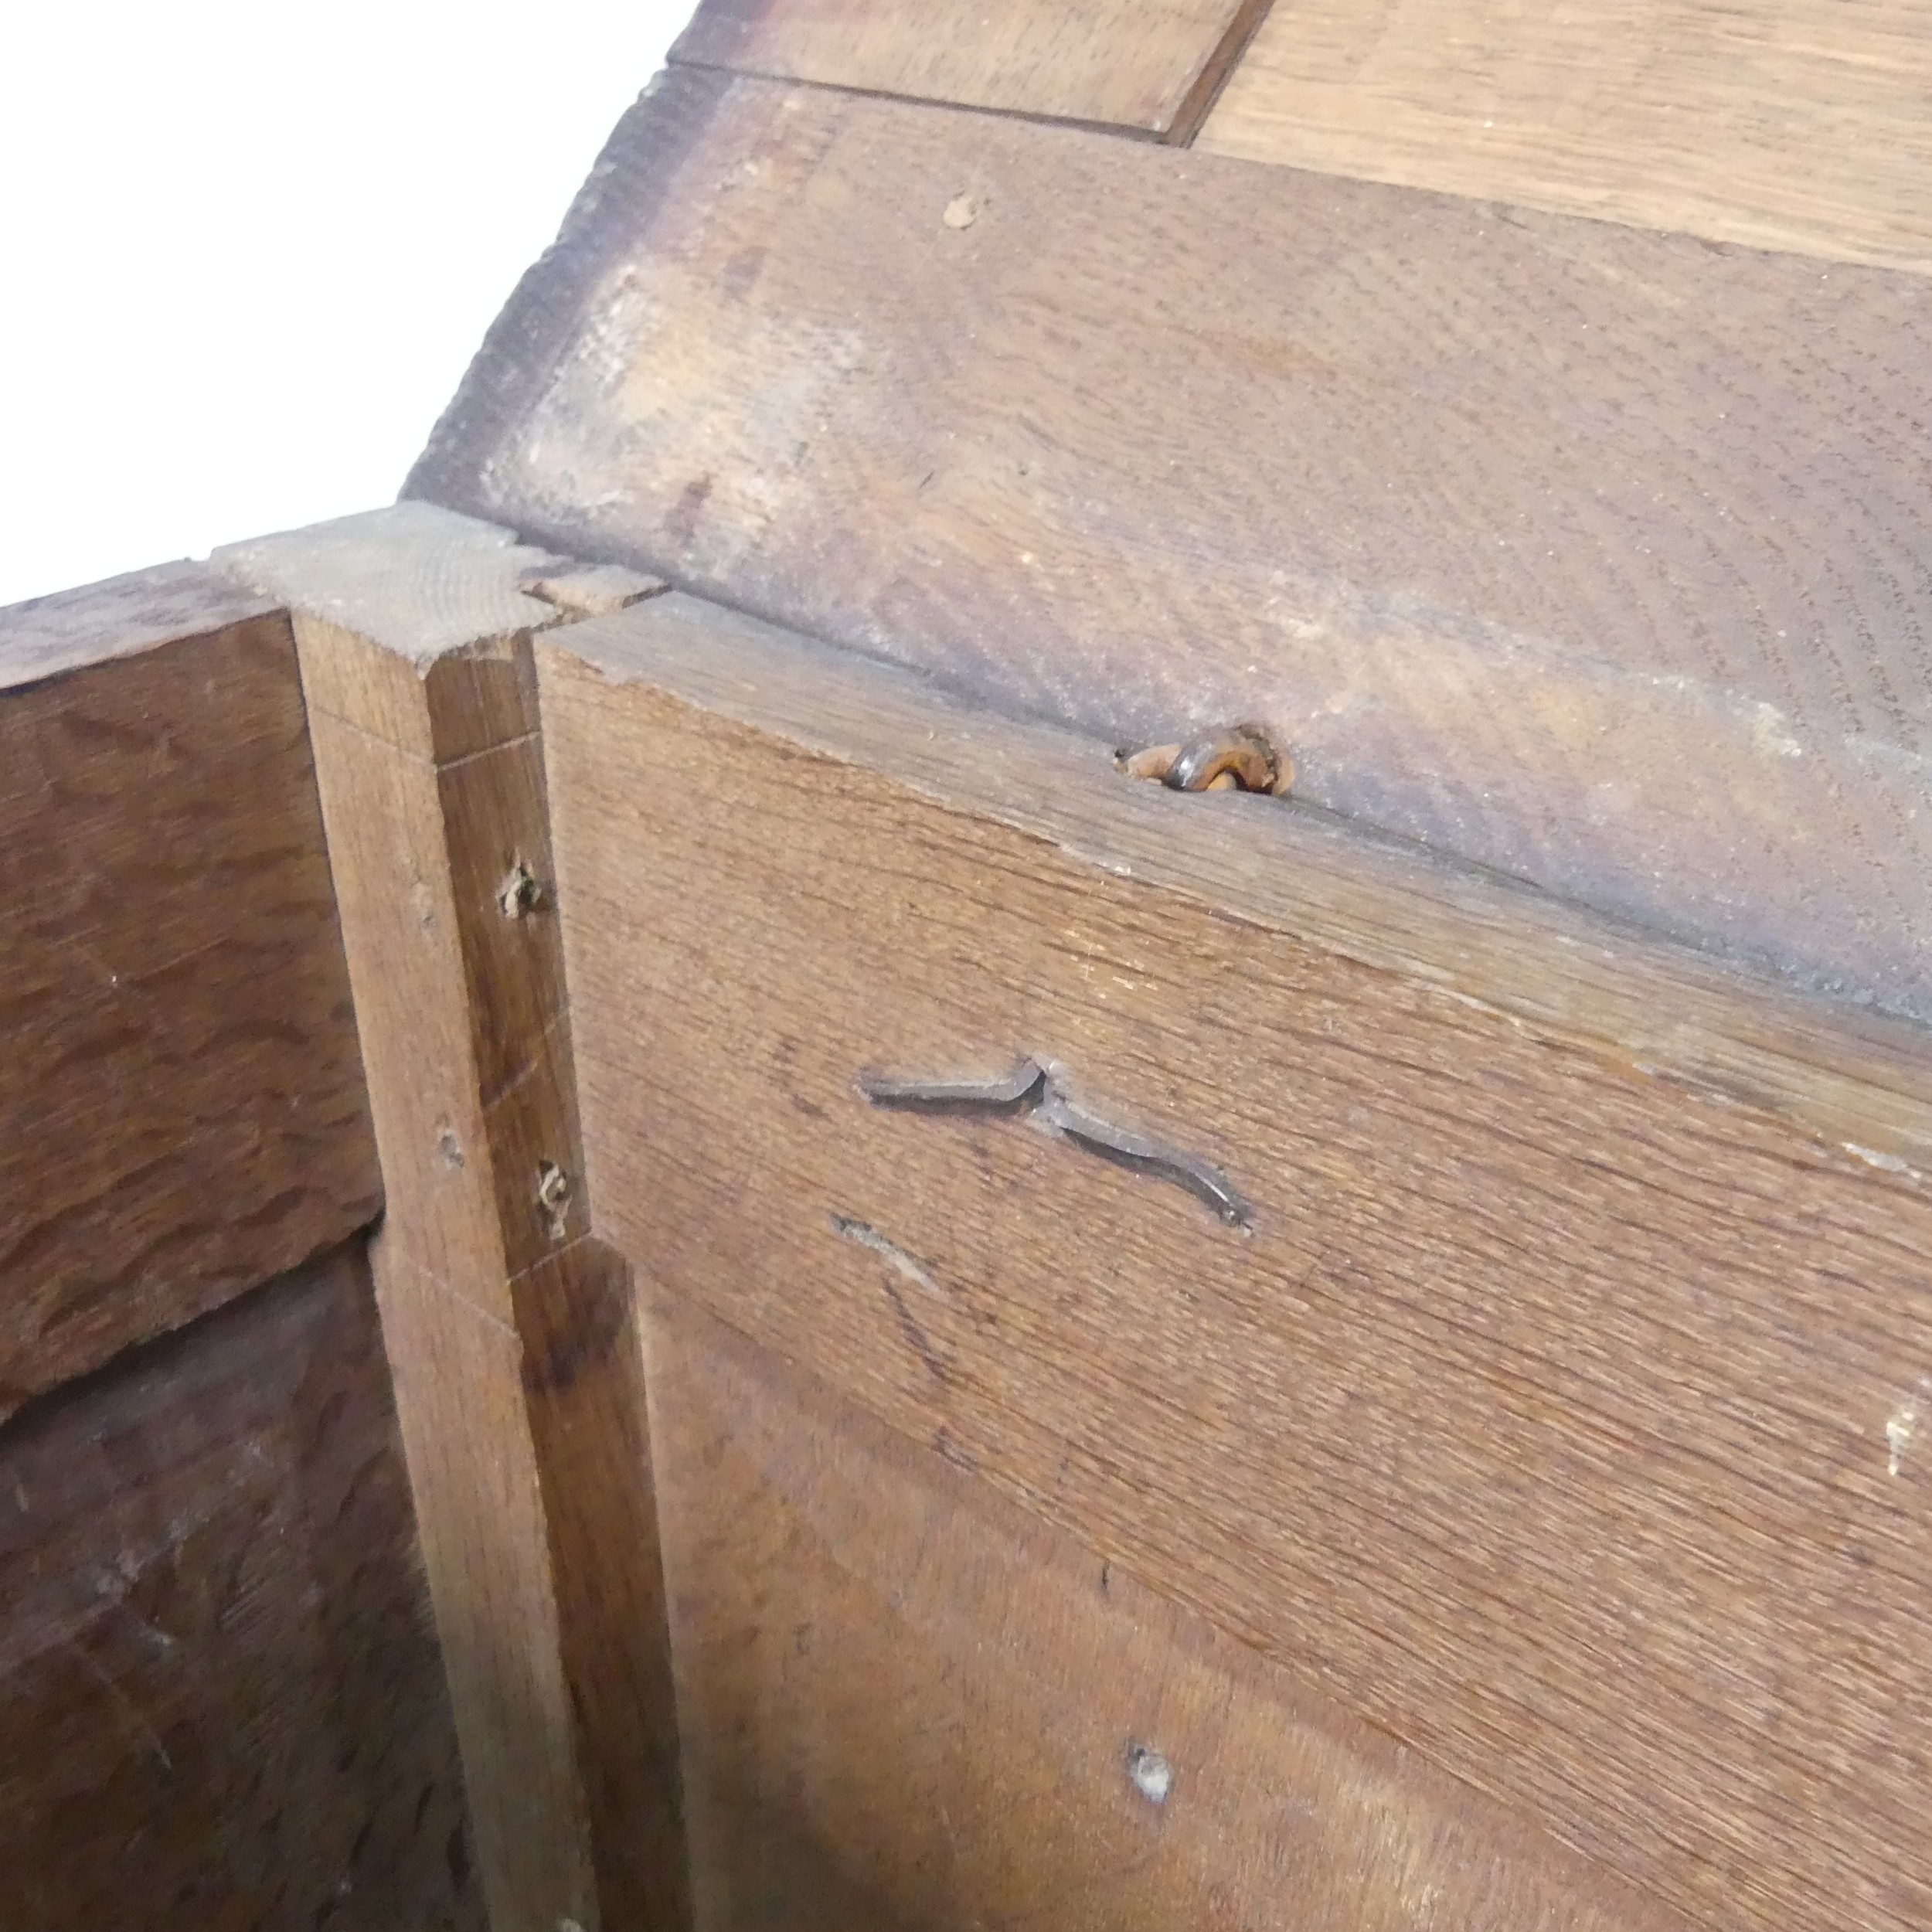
{"points": [[584, 1376], [1555, 1419], [908, 1702], [1861, 1085], [221, 1702], [478, 1490], [1144, 67], [1590, 555], [521, 1402], [182, 1114], [1789, 124]]}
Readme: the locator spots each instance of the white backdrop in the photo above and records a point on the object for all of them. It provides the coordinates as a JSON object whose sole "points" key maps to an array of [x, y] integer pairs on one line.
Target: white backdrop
{"points": [[246, 249]]}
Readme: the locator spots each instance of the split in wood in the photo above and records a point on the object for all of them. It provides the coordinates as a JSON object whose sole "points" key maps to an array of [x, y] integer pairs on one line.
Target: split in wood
{"points": [[1241, 758], [1031, 1091]]}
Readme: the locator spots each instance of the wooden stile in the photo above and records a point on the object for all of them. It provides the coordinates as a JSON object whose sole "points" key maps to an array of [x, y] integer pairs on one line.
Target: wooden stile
{"points": [[1793, 124], [507, 1325], [1588, 556], [181, 1114], [1554, 1420]]}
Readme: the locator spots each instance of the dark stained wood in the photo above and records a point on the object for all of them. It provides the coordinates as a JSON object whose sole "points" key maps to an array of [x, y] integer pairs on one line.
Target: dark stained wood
{"points": [[479, 1505], [1554, 1418], [1795, 125], [221, 1704], [1148, 66], [908, 1703], [1591, 555], [582, 1371], [517, 1382], [182, 1114]]}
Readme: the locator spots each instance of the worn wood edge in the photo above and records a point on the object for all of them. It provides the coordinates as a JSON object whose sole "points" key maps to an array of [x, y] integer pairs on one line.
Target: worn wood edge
{"points": [[419, 581], [1858, 1081], [119, 616], [546, 310]]}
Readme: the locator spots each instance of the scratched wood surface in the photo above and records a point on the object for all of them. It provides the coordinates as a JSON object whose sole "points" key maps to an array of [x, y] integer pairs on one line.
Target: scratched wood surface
{"points": [[1149, 67], [515, 1361], [221, 1702], [1798, 124], [1588, 555], [182, 1114], [1561, 1422], [863, 1752]]}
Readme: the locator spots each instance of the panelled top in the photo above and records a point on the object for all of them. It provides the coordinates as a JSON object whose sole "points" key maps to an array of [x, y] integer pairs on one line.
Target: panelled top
{"points": [[1145, 66], [1592, 555]]}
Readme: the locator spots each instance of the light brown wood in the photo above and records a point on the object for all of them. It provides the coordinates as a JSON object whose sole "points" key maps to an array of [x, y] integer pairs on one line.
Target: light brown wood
{"points": [[517, 1384], [183, 1113], [1148, 66], [909, 1703], [1559, 1421], [1798, 124], [1590, 556], [221, 1703]]}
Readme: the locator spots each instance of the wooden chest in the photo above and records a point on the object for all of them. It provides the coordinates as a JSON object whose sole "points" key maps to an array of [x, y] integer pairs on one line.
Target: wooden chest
{"points": [[670, 1256]]}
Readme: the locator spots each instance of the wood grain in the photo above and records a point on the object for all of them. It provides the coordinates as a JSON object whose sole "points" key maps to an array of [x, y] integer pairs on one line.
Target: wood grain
{"points": [[863, 1751], [473, 1472], [221, 1703], [1860, 1086], [583, 1379], [517, 1382], [1588, 556], [1796, 124], [182, 1114], [1149, 67], [1555, 1420]]}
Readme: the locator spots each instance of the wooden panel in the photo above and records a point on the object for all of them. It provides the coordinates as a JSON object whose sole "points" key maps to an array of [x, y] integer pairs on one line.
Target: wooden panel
{"points": [[1590, 556], [1558, 1420], [516, 1373], [221, 1703], [183, 1113], [1150, 66], [1795, 125], [860, 1755]]}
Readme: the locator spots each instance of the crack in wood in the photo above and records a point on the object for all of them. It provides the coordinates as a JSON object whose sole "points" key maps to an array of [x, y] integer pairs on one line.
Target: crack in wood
{"points": [[1034, 1092]]}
